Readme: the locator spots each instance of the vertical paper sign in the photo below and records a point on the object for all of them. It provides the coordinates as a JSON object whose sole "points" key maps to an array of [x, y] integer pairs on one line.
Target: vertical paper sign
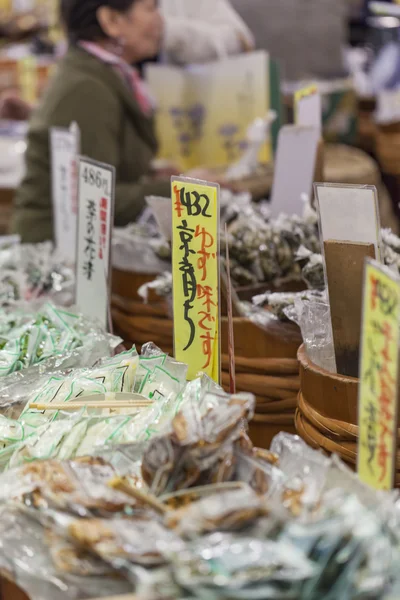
{"points": [[95, 219], [195, 270], [378, 389], [308, 108], [295, 163], [64, 151]]}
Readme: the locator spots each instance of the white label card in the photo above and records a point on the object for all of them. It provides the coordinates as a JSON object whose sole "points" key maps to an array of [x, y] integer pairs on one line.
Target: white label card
{"points": [[388, 107], [294, 168], [95, 218], [64, 151], [309, 108], [348, 213], [162, 211]]}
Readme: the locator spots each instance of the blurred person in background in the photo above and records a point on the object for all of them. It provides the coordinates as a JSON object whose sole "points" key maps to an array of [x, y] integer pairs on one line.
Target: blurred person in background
{"points": [[306, 37], [96, 87], [199, 31]]}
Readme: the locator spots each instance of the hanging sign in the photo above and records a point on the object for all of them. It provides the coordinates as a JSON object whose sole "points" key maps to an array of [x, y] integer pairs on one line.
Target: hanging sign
{"points": [[308, 107], [65, 145], [379, 374], [195, 270], [95, 219]]}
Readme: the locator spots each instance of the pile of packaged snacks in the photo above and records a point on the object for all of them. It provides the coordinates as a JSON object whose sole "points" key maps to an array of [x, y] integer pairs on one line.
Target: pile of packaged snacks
{"points": [[28, 433], [28, 339], [83, 527], [33, 271]]}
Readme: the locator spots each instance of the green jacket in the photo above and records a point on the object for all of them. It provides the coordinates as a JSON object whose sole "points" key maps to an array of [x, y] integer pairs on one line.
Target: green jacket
{"points": [[113, 130]]}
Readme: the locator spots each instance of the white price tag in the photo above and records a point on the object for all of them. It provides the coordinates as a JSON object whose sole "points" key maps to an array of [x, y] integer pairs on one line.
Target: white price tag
{"points": [[22, 6], [294, 168], [349, 213], [95, 219], [308, 107], [388, 107], [64, 151], [162, 211]]}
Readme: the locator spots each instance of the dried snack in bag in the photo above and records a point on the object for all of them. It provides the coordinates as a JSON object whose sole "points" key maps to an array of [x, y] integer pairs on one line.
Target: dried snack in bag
{"points": [[79, 486], [121, 541], [222, 511], [68, 558], [228, 566], [201, 439]]}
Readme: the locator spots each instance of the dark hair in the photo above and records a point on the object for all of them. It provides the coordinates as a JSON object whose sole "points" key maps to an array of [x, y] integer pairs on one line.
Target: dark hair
{"points": [[80, 17]]}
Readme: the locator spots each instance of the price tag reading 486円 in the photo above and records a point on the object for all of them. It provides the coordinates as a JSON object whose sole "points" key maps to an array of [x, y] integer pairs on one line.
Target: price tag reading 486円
{"points": [[95, 219], [195, 270]]}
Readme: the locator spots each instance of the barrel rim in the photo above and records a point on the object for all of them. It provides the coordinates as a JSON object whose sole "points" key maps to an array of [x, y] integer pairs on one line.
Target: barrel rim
{"points": [[306, 364]]}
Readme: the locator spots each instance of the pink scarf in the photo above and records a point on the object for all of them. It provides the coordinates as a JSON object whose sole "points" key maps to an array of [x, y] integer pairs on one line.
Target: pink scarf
{"points": [[129, 73]]}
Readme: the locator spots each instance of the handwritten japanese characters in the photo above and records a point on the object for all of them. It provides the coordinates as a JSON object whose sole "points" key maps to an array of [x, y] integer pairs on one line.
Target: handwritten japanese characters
{"points": [[95, 218], [195, 260], [378, 390]]}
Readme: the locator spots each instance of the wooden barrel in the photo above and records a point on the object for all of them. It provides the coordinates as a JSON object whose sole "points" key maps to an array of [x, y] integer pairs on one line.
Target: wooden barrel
{"points": [[344, 164], [327, 414], [266, 360], [388, 148]]}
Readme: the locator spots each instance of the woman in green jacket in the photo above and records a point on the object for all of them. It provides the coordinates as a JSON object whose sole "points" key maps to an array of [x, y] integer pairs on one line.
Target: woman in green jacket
{"points": [[95, 87]]}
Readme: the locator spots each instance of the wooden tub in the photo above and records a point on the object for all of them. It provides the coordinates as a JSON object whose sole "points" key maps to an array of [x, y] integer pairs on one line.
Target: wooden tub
{"points": [[327, 414], [266, 360]]}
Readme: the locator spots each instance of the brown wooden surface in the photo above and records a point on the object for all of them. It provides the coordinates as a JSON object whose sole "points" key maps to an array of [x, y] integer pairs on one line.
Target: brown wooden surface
{"points": [[6, 203], [388, 148], [334, 396], [9, 591], [327, 415], [345, 272]]}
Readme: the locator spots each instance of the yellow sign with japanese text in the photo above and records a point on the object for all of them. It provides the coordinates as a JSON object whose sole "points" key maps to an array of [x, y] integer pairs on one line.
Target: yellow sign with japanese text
{"points": [[195, 272], [378, 388]]}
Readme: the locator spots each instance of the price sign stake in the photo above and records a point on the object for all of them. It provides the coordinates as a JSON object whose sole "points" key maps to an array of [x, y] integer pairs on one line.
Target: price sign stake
{"points": [[95, 220], [379, 375], [195, 271]]}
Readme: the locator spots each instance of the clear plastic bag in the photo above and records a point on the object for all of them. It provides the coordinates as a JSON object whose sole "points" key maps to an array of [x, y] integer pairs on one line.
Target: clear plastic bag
{"points": [[314, 319], [30, 272], [140, 240], [230, 510], [27, 559], [198, 449]]}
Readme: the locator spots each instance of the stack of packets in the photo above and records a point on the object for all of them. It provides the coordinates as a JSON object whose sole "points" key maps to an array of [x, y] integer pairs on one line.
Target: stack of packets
{"points": [[30, 272], [196, 512]]}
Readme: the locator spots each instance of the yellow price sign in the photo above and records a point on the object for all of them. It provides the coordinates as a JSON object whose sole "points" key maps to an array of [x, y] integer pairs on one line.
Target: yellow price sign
{"points": [[378, 388], [28, 79], [195, 271]]}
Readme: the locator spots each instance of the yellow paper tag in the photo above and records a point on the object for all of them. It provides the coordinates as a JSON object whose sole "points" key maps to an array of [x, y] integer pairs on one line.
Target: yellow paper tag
{"points": [[195, 271], [378, 391], [5, 7], [28, 79]]}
